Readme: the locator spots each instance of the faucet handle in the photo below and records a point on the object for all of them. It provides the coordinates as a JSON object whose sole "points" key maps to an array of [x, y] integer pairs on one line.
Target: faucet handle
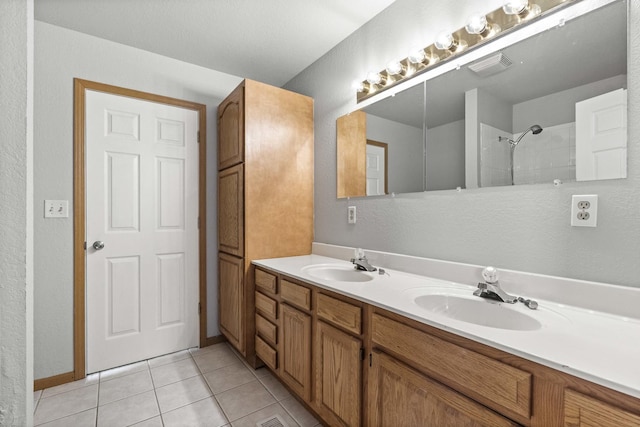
{"points": [[490, 274], [482, 285]]}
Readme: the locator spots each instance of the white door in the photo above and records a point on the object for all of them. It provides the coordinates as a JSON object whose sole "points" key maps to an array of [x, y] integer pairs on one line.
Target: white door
{"points": [[142, 203], [375, 170], [601, 137]]}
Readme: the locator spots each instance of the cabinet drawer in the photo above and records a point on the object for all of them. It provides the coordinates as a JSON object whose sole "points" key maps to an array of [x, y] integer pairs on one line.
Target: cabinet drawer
{"points": [[295, 294], [581, 410], [393, 385], [486, 379], [340, 313], [267, 306], [266, 281], [267, 354], [266, 330]]}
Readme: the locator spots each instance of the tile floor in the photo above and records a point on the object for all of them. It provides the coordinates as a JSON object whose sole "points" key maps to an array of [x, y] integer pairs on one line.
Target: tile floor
{"points": [[209, 387]]}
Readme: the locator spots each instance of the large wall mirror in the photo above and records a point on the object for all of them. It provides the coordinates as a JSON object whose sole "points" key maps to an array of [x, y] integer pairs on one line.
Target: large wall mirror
{"points": [[549, 107]]}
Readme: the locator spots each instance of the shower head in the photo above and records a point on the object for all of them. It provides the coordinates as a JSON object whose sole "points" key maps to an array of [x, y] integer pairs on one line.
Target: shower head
{"points": [[535, 129]]}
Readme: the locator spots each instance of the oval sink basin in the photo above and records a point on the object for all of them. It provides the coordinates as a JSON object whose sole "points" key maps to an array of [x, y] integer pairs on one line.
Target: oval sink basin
{"points": [[460, 304], [337, 273], [479, 312]]}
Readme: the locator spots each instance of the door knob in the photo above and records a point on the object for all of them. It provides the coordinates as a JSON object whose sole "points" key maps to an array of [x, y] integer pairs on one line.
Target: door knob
{"points": [[97, 245]]}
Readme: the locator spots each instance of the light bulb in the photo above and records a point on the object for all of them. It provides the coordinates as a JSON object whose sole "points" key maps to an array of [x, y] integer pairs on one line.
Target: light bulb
{"points": [[394, 67], [444, 41], [476, 24], [374, 78], [416, 56], [358, 86], [515, 7]]}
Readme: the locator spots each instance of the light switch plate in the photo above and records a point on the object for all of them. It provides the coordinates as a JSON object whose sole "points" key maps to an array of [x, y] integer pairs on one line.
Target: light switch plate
{"points": [[56, 208]]}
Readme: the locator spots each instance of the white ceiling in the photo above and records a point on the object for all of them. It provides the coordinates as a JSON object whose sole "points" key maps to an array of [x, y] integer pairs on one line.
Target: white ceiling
{"points": [[266, 40]]}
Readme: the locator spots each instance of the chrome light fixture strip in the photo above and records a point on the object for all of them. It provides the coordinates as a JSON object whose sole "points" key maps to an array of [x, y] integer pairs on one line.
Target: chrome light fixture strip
{"points": [[499, 23]]}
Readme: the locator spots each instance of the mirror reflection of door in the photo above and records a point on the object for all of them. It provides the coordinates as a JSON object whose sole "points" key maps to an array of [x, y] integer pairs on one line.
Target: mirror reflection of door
{"points": [[601, 137], [377, 174]]}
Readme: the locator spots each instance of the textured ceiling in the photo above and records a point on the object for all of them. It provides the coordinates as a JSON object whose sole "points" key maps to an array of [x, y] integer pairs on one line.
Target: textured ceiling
{"points": [[266, 40]]}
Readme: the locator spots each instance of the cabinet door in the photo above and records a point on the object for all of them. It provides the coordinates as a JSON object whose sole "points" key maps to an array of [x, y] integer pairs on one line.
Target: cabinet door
{"points": [[231, 297], [231, 211], [295, 354], [584, 411], [402, 397], [338, 364], [231, 129]]}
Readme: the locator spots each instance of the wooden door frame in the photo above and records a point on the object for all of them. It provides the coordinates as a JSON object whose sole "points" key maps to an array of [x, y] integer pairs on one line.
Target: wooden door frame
{"points": [[79, 221]]}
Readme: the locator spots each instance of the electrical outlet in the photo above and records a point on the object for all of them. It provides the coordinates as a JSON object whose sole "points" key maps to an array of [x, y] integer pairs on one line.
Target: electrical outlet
{"points": [[351, 214], [584, 210], [56, 208]]}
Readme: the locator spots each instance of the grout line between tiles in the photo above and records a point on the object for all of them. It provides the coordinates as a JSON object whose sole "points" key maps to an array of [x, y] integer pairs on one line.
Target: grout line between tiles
{"points": [[95, 422]]}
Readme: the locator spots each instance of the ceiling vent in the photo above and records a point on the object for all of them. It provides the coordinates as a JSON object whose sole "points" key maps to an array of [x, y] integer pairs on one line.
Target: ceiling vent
{"points": [[491, 65]]}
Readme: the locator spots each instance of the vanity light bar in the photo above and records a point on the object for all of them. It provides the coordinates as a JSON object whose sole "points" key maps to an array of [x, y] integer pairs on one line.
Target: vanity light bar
{"points": [[479, 30]]}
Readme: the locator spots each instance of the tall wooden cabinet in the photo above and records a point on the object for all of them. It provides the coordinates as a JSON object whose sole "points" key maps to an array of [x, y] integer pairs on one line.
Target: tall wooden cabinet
{"points": [[265, 195]]}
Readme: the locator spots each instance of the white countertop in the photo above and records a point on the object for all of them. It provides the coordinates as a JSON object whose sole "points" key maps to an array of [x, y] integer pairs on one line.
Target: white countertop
{"points": [[596, 346]]}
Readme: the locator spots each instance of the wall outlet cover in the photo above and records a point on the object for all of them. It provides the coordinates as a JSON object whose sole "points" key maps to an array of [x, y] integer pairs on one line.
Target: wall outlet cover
{"points": [[584, 210], [351, 214]]}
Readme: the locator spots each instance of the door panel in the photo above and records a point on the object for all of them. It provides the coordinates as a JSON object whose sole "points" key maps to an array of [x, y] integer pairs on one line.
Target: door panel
{"points": [[376, 169], [170, 193], [295, 358], [230, 298], [142, 201], [338, 369], [172, 289], [122, 295], [123, 202], [231, 130], [601, 137], [231, 210]]}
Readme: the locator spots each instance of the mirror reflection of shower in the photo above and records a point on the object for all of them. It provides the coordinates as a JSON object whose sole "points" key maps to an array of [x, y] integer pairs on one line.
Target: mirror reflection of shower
{"points": [[535, 129]]}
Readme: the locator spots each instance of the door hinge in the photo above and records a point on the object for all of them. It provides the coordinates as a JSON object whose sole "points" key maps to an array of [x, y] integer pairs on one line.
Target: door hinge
{"points": [[362, 353], [198, 223], [85, 246], [199, 308], [370, 359], [198, 137]]}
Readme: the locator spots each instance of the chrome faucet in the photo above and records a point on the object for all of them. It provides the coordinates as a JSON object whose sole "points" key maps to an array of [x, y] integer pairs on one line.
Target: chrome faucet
{"points": [[361, 262], [490, 288]]}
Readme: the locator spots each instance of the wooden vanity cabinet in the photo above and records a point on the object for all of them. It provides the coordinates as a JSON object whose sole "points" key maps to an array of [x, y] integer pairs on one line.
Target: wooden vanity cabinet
{"points": [[338, 359], [488, 384], [265, 196], [354, 364]]}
